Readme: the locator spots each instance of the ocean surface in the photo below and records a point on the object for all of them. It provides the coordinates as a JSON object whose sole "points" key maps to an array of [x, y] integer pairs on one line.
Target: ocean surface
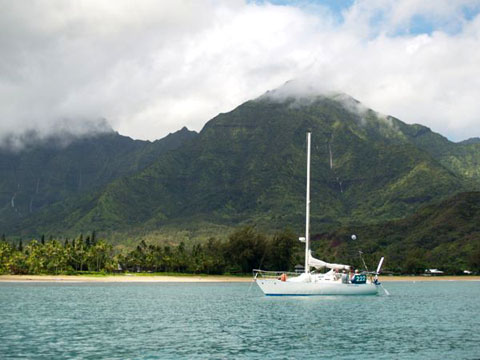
{"points": [[419, 320]]}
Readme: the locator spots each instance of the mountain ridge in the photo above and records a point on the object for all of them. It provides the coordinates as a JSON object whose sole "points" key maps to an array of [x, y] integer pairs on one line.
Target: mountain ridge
{"points": [[45, 174], [247, 166]]}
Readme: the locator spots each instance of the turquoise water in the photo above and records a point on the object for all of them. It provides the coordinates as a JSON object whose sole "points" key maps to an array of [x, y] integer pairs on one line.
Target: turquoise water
{"points": [[422, 320]]}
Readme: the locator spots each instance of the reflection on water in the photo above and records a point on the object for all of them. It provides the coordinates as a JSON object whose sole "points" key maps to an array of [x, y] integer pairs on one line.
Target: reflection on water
{"points": [[426, 320]]}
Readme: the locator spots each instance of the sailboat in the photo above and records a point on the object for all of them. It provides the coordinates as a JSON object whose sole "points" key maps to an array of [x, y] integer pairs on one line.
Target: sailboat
{"points": [[336, 281]]}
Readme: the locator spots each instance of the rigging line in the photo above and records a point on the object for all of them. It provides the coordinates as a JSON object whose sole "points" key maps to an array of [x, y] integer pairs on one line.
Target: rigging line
{"points": [[255, 278], [386, 291], [263, 258], [361, 257]]}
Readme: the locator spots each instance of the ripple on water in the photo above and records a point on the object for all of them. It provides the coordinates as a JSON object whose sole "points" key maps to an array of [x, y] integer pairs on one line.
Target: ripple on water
{"points": [[216, 320]]}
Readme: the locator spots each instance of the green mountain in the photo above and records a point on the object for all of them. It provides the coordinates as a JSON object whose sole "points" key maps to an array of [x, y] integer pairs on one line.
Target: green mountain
{"points": [[50, 172], [462, 158], [474, 140], [444, 235], [248, 167]]}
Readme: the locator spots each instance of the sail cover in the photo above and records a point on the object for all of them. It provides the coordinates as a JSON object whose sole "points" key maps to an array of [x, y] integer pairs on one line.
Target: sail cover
{"points": [[319, 264]]}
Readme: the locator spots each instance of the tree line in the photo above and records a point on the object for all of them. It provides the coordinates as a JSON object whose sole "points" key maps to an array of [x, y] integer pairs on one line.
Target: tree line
{"points": [[54, 256], [244, 250]]}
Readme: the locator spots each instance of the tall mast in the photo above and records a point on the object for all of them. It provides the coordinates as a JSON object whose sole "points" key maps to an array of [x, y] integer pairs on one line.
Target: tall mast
{"points": [[307, 217]]}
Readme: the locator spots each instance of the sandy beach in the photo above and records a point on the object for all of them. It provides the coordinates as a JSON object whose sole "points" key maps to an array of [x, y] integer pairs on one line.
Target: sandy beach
{"points": [[124, 278], [194, 278]]}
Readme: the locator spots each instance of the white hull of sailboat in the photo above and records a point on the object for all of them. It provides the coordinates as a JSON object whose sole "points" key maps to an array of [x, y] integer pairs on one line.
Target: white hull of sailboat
{"points": [[272, 287]]}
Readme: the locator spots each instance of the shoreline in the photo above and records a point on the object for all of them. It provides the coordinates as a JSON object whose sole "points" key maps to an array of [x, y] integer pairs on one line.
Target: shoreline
{"points": [[123, 278], [193, 278]]}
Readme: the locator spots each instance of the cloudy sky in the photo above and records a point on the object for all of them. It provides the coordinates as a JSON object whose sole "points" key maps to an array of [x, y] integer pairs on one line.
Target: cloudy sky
{"points": [[151, 67]]}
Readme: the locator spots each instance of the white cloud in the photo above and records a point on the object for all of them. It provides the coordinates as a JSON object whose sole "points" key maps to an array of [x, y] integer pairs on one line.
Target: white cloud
{"points": [[152, 67]]}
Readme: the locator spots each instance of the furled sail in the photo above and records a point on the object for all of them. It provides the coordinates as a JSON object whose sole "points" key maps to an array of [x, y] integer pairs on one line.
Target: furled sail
{"points": [[319, 264]]}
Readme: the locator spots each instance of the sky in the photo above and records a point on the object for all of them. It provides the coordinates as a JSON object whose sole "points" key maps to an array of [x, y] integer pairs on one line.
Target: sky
{"points": [[150, 67]]}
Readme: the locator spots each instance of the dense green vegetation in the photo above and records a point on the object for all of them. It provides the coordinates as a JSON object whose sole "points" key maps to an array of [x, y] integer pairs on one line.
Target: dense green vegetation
{"points": [[47, 176], [54, 257], [246, 168], [445, 236], [461, 158], [244, 250]]}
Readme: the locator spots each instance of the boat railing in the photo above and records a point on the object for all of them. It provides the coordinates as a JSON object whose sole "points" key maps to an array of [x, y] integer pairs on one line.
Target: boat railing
{"points": [[257, 273]]}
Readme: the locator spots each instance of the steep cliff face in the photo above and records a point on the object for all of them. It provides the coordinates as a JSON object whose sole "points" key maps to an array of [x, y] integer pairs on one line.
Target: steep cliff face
{"points": [[48, 172], [245, 167]]}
